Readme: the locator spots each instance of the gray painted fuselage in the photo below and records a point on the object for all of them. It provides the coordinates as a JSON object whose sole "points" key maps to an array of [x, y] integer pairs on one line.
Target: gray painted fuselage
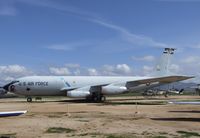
{"points": [[53, 85]]}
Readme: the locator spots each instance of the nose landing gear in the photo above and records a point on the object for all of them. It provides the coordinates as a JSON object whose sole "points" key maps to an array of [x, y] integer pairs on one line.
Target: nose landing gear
{"points": [[29, 99]]}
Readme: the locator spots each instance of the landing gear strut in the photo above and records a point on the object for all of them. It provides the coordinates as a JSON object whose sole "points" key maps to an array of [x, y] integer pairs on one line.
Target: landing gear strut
{"points": [[29, 99], [98, 97]]}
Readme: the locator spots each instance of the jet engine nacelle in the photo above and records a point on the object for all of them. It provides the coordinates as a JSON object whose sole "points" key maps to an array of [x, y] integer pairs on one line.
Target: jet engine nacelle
{"points": [[113, 89], [78, 94]]}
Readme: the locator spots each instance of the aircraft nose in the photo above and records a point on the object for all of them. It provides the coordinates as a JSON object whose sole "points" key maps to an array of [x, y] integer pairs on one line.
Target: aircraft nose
{"points": [[10, 86]]}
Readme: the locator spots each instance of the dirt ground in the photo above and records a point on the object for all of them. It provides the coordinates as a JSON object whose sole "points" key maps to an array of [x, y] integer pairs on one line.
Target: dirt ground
{"points": [[117, 118]]}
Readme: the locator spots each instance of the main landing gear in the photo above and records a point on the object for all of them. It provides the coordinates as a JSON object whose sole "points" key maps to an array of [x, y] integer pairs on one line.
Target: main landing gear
{"points": [[99, 99], [96, 97]]}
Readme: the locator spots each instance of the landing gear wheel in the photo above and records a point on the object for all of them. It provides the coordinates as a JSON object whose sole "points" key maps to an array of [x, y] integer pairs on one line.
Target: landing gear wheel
{"points": [[103, 98], [96, 99], [29, 99], [99, 99]]}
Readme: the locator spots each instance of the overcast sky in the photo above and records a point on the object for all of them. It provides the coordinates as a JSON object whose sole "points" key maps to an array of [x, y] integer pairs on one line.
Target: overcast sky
{"points": [[97, 37]]}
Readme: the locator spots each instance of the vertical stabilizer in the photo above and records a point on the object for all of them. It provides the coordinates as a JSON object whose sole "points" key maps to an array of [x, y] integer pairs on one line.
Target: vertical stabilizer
{"points": [[162, 67]]}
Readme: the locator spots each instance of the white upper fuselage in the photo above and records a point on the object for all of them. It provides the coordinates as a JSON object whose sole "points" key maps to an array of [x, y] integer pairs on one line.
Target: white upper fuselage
{"points": [[53, 85]]}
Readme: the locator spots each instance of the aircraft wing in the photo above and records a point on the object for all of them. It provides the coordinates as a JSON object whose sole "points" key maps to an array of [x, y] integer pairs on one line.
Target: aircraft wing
{"points": [[130, 85], [156, 80]]}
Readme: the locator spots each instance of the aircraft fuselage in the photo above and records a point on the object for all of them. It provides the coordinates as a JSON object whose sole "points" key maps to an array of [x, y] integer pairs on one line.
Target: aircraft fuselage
{"points": [[53, 85]]}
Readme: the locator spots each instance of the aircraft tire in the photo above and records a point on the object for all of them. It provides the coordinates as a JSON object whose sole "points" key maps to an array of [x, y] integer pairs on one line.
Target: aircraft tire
{"points": [[29, 99], [96, 99], [103, 98]]}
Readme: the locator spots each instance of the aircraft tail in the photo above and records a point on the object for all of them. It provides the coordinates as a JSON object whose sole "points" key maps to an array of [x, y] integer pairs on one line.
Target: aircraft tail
{"points": [[181, 91], [162, 67]]}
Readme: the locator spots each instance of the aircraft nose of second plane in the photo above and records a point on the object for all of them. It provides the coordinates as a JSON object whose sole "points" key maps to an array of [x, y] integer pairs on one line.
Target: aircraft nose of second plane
{"points": [[12, 88]]}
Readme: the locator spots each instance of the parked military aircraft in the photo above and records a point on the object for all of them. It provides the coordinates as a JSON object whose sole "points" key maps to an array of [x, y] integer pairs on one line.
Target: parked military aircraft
{"points": [[197, 89], [156, 92], [93, 87]]}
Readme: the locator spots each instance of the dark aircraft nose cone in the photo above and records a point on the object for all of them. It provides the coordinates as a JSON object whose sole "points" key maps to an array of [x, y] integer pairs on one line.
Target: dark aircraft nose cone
{"points": [[8, 86], [12, 88]]}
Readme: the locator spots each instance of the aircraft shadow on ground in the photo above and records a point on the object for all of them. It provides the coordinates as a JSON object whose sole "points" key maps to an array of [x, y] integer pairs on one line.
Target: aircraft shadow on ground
{"points": [[111, 102], [85, 101], [128, 99], [178, 119], [193, 111], [122, 101], [72, 101]]}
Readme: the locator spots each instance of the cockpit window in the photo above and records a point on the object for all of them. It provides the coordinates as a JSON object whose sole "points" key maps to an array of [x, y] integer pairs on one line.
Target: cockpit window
{"points": [[9, 84]]}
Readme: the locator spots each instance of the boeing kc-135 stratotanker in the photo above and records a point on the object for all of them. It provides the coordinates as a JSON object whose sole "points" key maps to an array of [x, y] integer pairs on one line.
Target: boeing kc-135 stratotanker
{"points": [[94, 88]]}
